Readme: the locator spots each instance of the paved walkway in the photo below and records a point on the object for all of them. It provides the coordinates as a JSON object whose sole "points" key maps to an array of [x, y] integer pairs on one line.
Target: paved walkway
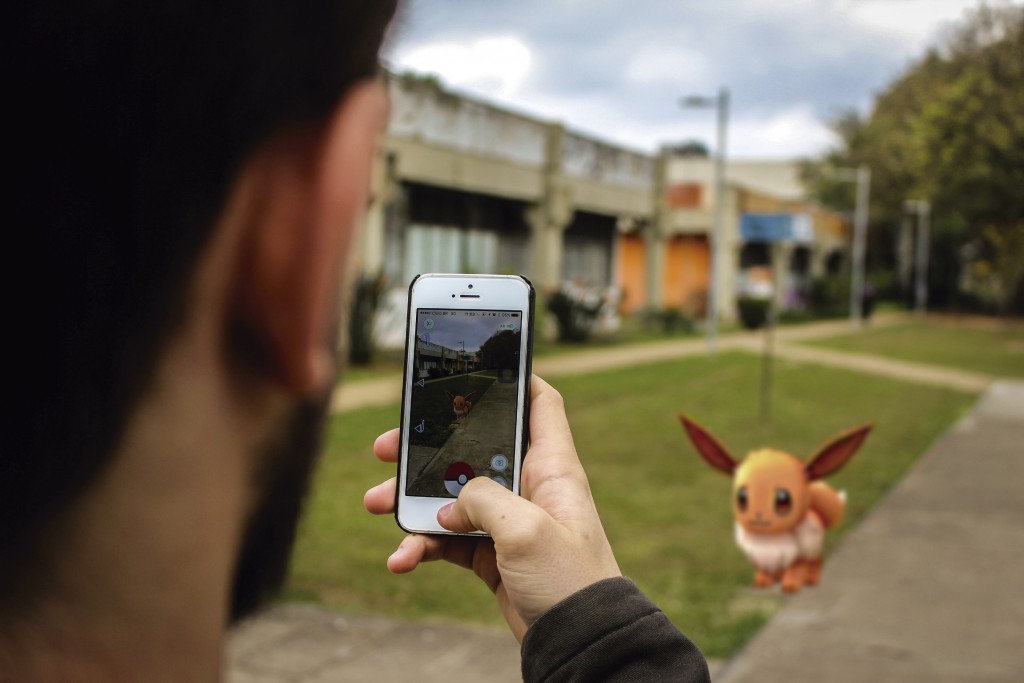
{"points": [[924, 589], [488, 430], [301, 644], [388, 390]]}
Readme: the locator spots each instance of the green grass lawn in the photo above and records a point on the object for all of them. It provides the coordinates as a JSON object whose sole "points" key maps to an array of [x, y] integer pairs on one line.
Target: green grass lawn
{"points": [[432, 405], [992, 347], [667, 514]]}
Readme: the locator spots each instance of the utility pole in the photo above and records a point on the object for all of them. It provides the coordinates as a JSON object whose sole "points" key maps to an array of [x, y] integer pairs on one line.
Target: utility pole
{"points": [[923, 209], [860, 233], [862, 176], [721, 104]]}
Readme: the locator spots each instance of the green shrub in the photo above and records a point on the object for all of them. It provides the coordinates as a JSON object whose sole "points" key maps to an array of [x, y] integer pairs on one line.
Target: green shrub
{"points": [[753, 311], [830, 296], [668, 320], [576, 314]]}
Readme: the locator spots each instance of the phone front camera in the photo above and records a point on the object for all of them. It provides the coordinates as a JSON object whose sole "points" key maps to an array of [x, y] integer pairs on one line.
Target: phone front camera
{"points": [[471, 286], [453, 296]]}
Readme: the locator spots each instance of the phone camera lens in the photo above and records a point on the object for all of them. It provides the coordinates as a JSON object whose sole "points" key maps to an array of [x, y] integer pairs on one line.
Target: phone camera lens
{"points": [[453, 296], [471, 286]]}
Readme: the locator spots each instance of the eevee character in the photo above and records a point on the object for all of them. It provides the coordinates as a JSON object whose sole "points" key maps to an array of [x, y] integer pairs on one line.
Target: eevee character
{"points": [[461, 404], [781, 507]]}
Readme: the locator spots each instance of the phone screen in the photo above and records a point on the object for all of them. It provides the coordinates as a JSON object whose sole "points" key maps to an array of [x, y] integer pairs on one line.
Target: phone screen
{"points": [[465, 388]]}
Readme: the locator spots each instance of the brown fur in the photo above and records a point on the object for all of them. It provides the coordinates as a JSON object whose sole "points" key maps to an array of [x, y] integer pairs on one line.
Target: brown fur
{"points": [[827, 503], [780, 503], [461, 405]]}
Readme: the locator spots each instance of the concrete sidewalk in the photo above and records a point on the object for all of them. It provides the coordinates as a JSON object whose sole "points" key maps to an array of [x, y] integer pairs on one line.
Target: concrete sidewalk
{"points": [[304, 644], [927, 587]]}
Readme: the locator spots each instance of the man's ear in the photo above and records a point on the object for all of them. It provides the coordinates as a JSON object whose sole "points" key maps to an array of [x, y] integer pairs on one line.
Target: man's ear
{"points": [[308, 191]]}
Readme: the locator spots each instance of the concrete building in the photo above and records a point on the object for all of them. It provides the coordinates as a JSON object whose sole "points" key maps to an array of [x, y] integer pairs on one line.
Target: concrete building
{"points": [[679, 273], [462, 185]]}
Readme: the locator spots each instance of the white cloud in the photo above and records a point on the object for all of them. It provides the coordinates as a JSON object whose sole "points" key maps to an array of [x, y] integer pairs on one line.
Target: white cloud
{"points": [[793, 132], [917, 21], [657, 64], [494, 65]]}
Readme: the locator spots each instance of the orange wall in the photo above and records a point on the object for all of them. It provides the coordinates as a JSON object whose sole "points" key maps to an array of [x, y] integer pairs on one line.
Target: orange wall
{"points": [[686, 273], [632, 269], [685, 279]]}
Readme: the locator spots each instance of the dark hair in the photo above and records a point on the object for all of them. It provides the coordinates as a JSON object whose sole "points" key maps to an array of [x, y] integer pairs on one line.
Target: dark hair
{"points": [[132, 120]]}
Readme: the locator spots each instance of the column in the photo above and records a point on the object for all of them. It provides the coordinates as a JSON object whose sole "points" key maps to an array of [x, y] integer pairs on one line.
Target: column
{"points": [[549, 218], [371, 237]]}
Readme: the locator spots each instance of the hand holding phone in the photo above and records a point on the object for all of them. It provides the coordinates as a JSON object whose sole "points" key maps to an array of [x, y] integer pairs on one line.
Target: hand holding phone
{"points": [[465, 392], [547, 544]]}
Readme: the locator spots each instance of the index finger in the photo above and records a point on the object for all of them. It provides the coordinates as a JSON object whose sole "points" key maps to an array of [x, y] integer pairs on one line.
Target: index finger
{"points": [[386, 446], [552, 454], [547, 415]]}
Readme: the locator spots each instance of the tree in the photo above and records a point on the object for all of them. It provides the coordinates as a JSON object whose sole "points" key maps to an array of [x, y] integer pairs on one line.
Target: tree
{"points": [[501, 350], [969, 142], [949, 130]]}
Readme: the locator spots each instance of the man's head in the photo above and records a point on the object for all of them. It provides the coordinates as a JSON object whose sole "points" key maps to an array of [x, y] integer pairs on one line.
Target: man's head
{"points": [[184, 169]]}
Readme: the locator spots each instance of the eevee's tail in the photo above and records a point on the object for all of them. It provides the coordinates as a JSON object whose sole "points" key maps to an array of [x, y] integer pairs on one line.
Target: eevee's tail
{"points": [[827, 503]]}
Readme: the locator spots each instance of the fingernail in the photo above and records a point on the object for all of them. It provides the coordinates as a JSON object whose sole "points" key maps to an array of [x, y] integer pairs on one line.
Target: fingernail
{"points": [[399, 551], [445, 512]]}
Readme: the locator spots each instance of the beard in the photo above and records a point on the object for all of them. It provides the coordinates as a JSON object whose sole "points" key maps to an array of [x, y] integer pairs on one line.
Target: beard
{"points": [[283, 481]]}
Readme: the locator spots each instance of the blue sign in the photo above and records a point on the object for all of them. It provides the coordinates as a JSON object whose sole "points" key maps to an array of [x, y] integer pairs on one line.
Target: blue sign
{"points": [[776, 227]]}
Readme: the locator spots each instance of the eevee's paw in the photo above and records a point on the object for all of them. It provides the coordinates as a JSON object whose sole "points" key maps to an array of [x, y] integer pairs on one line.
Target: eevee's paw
{"points": [[793, 578], [813, 577], [763, 579]]}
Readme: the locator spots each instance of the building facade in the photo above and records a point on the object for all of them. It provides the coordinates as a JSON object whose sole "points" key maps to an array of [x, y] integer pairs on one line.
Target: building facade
{"points": [[462, 185]]}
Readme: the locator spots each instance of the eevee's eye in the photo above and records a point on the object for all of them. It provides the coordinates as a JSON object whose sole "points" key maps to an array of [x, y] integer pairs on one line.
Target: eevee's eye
{"points": [[741, 499], [783, 502]]}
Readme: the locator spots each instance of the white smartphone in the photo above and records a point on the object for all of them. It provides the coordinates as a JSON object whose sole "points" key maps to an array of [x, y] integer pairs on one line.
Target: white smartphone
{"points": [[465, 396]]}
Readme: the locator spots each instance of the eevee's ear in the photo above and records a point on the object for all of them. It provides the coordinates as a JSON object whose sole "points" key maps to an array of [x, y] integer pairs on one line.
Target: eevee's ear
{"points": [[833, 455], [714, 453], [450, 395], [470, 395]]}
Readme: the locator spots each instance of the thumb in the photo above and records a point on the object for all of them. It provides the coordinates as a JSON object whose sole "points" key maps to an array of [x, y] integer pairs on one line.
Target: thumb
{"points": [[540, 561], [484, 505]]}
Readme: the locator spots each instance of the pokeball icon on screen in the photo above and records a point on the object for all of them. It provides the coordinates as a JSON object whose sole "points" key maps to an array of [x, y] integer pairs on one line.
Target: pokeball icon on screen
{"points": [[456, 476]]}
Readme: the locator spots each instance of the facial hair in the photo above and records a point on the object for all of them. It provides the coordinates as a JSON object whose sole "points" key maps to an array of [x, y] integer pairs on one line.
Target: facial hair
{"points": [[283, 479]]}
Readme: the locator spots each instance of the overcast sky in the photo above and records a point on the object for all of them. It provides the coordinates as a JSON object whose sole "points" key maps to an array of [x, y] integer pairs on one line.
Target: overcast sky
{"points": [[617, 68], [452, 331]]}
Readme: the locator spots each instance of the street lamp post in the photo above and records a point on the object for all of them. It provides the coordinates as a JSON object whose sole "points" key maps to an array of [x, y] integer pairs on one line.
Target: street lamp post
{"points": [[721, 104], [862, 176], [923, 209]]}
